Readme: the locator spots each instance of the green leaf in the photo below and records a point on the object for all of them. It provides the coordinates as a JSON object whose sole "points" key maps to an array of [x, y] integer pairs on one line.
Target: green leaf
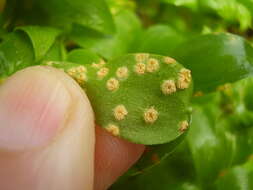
{"points": [[57, 52], [91, 13], [84, 56], [16, 53], [232, 11], [187, 3], [119, 5], [128, 28], [42, 38], [159, 39], [237, 178], [8, 13], [140, 97], [237, 99], [216, 59], [212, 147], [248, 94], [154, 155], [176, 173]]}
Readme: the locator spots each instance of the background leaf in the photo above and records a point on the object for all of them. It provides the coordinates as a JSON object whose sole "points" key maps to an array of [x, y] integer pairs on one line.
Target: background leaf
{"points": [[93, 13], [159, 39], [128, 28], [237, 178], [42, 38], [216, 59], [84, 56], [16, 52]]}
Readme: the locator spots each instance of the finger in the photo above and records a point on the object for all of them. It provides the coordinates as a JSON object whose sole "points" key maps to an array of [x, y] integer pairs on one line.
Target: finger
{"points": [[113, 157], [46, 132]]}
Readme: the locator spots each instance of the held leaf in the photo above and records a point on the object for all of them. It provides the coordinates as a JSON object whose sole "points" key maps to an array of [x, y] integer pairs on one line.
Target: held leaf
{"points": [[140, 97]]}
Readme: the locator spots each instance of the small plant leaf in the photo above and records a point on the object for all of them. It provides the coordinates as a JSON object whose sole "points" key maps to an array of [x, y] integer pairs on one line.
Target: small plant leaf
{"points": [[93, 13], [128, 27], [42, 38], [57, 52], [84, 56], [211, 145], [173, 173], [154, 155], [237, 178], [16, 52], [159, 39]]}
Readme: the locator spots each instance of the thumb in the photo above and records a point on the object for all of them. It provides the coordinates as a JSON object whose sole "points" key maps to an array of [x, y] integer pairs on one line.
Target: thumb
{"points": [[46, 132]]}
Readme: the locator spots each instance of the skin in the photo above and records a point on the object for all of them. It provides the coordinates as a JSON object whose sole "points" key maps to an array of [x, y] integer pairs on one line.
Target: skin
{"points": [[48, 137]]}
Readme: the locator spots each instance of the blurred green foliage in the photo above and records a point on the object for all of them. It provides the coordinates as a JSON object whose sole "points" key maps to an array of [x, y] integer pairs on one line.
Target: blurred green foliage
{"points": [[217, 152]]}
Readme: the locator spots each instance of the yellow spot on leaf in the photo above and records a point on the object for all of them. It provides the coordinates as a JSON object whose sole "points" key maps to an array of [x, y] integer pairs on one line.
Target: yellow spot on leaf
{"points": [[80, 78], [150, 115], [102, 72], [78, 73], [122, 72], [112, 84], [81, 69], [120, 112], [169, 60], [152, 65], [72, 71], [140, 68], [141, 57], [113, 129], [184, 79], [98, 65], [183, 126], [168, 87]]}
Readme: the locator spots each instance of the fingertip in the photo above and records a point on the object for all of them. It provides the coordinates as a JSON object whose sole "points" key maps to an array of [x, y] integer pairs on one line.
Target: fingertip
{"points": [[65, 158], [113, 157]]}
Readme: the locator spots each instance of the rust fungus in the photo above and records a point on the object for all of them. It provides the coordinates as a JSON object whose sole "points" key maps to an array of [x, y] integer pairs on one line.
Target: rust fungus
{"points": [[169, 60], [113, 129], [141, 57], [122, 72], [168, 87], [120, 112], [183, 126], [98, 65], [112, 84], [102, 72], [184, 79], [150, 115], [140, 68], [152, 65]]}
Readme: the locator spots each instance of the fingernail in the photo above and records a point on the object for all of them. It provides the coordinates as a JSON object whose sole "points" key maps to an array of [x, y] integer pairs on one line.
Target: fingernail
{"points": [[33, 108]]}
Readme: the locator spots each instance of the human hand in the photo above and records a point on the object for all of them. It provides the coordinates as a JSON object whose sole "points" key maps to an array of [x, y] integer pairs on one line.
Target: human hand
{"points": [[47, 136]]}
